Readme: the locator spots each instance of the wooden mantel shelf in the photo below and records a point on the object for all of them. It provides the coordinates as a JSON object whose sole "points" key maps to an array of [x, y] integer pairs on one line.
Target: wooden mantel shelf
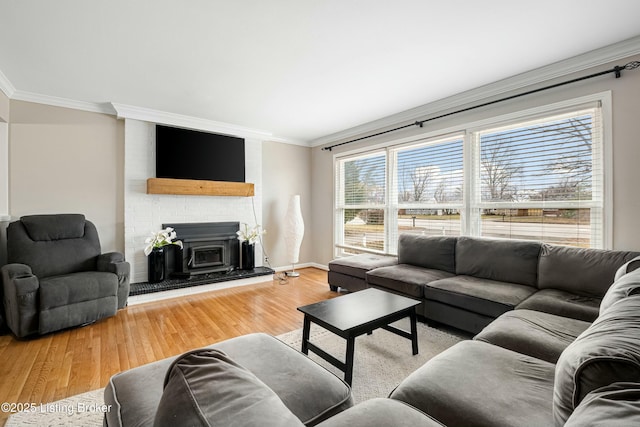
{"points": [[193, 187]]}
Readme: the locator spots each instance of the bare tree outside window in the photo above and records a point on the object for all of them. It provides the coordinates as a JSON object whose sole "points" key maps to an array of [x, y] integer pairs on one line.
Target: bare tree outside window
{"points": [[498, 172]]}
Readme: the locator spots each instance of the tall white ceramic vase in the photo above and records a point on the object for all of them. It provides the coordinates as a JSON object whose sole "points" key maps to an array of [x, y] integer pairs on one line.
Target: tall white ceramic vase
{"points": [[293, 233]]}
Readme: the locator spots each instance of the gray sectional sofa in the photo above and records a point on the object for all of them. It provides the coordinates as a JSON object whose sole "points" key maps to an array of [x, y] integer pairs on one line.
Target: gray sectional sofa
{"points": [[531, 368], [527, 368], [467, 282]]}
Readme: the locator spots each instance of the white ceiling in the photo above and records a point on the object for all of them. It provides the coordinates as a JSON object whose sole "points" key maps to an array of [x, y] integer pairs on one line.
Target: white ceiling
{"points": [[297, 69]]}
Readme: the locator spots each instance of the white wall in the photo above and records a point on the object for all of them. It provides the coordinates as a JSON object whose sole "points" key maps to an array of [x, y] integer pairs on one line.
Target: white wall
{"points": [[626, 152], [145, 213]]}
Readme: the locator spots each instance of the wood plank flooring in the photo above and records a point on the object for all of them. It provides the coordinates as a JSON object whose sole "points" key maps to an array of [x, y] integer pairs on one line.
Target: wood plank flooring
{"points": [[62, 364]]}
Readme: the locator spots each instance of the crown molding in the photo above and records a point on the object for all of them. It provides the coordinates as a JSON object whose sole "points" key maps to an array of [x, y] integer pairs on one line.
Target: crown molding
{"points": [[558, 69], [6, 86], [94, 107], [124, 111]]}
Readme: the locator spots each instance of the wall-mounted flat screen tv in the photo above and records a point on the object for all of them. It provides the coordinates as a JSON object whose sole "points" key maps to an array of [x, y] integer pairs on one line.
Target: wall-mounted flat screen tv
{"points": [[190, 154]]}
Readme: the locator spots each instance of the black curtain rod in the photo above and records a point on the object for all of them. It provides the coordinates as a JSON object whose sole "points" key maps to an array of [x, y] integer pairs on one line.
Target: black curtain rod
{"points": [[420, 123]]}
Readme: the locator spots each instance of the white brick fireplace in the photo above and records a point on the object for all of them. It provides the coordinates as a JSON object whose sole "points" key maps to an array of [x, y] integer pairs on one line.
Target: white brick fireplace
{"points": [[145, 213]]}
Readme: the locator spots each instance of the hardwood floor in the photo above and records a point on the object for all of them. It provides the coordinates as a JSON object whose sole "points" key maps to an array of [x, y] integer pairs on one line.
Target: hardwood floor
{"points": [[59, 365]]}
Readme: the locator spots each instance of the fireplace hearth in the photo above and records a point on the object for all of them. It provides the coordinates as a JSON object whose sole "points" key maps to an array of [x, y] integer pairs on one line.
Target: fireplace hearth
{"points": [[210, 254]]}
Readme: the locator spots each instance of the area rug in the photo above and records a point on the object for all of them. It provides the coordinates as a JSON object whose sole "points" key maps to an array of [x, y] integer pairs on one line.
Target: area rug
{"points": [[381, 361]]}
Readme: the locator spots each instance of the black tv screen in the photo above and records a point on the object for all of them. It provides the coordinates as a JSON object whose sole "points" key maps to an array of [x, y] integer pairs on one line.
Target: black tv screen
{"points": [[190, 154]]}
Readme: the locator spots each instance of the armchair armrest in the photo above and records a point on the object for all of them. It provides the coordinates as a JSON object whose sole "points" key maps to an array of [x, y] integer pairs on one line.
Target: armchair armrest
{"points": [[20, 288], [113, 262]]}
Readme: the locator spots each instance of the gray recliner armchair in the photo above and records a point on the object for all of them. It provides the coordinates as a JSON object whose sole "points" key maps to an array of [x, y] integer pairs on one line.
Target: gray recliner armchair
{"points": [[57, 277]]}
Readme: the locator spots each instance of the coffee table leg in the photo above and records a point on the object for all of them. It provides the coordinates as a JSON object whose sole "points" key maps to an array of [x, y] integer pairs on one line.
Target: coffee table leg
{"points": [[305, 335], [414, 331], [348, 373]]}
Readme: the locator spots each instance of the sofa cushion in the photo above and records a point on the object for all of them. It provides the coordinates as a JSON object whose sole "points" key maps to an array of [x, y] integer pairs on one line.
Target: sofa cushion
{"points": [[562, 303], [488, 297], [358, 265], [627, 285], [312, 397], [617, 405], [404, 278], [434, 252], [205, 387], [606, 353], [534, 333], [513, 261], [482, 385], [628, 267], [76, 287], [580, 271], [381, 412]]}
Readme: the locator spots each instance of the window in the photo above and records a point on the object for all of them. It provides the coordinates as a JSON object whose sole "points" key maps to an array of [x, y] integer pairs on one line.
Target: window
{"points": [[542, 180], [361, 200], [427, 188], [536, 176]]}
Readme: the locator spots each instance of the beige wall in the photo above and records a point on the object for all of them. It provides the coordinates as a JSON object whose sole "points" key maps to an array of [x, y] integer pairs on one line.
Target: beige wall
{"points": [[626, 152], [67, 161], [285, 172]]}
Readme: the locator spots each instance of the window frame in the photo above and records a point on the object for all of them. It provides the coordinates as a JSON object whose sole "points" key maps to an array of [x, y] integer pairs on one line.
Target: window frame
{"points": [[470, 222]]}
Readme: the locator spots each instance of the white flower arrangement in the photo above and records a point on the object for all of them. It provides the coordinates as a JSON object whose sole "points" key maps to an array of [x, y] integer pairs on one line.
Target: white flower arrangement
{"points": [[250, 235], [160, 239]]}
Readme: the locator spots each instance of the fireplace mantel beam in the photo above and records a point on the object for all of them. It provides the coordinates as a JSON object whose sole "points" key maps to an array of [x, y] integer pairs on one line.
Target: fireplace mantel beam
{"points": [[193, 187]]}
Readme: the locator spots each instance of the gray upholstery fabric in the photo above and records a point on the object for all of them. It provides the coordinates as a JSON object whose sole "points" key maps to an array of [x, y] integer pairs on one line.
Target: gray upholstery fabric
{"points": [[20, 299], [114, 262], [404, 278], [84, 286], [561, 303], [579, 270], [205, 387], [312, 397], [478, 384], [606, 353], [53, 257], [381, 413], [458, 317], [626, 285], [358, 265], [350, 283], [488, 297], [57, 277], [74, 314], [513, 261], [432, 252], [628, 267], [617, 405], [534, 333], [54, 227]]}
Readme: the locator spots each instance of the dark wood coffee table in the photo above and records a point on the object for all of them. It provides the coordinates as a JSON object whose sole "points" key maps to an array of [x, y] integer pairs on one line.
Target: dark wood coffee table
{"points": [[356, 314]]}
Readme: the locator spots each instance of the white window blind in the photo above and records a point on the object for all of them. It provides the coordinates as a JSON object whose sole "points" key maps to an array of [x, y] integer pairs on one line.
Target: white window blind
{"points": [[543, 180], [536, 176], [361, 201], [427, 187]]}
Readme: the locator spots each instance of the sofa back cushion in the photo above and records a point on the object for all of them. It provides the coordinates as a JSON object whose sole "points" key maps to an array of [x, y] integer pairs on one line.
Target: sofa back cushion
{"points": [[580, 271], [435, 252], [514, 261], [206, 388], [606, 353]]}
